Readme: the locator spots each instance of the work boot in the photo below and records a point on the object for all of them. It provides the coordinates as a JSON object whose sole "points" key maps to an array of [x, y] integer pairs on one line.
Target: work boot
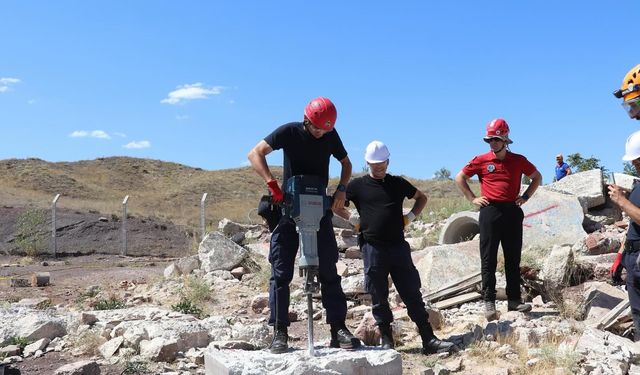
{"points": [[490, 310], [431, 344], [342, 338], [518, 306], [386, 337], [279, 344]]}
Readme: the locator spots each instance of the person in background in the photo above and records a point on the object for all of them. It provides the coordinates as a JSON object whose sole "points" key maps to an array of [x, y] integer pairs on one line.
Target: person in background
{"points": [[562, 169], [500, 172], [378, 197], [307, 147]]}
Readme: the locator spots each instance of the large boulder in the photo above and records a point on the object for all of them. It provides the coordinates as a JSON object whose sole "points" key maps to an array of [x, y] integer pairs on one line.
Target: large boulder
{"points": [[217, 252], [551, 218], [444, 264], [587, 186]]}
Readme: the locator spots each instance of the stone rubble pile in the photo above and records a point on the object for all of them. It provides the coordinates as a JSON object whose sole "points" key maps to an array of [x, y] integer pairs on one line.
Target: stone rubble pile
{"points": [[571, 233]]}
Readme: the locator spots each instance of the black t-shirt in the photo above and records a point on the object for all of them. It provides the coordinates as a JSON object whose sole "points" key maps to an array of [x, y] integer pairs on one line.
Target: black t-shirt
{"points": [[303, 153], [633, 234], [379, 203]]}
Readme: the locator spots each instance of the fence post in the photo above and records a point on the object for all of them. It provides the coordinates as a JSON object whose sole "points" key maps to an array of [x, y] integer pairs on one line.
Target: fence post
{"points": [[202, 221], [124, 226], [54, 241]]}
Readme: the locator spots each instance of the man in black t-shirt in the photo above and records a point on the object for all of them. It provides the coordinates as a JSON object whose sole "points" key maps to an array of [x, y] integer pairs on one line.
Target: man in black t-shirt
{"points": [[307, 147], [378, 197]]}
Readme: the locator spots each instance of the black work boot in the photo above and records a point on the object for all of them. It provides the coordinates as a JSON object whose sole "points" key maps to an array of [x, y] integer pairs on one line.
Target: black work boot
{"points": [[431, 344], [517, 305], [386, 336], [342, 338], [279, 344]]}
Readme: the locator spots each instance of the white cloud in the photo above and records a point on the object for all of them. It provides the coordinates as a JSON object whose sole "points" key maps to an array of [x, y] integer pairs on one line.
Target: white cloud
{"points": [[101, 134], [138, 144], [187, 92], [121, 135], [7, 82], [79, 134]]}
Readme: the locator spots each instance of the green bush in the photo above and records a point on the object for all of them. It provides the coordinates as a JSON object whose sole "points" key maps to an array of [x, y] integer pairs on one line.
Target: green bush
{"points": [[196, 290], [19, 341], [186, 306], [31, 235], [109, 304], [135, 368]]}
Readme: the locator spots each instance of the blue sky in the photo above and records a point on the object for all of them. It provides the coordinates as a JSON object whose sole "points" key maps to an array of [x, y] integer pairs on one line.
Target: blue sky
{"points": [[201, 82]]}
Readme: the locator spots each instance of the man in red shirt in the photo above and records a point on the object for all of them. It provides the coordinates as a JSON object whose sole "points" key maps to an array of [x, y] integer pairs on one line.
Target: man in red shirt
{"points": [[500, 172]]}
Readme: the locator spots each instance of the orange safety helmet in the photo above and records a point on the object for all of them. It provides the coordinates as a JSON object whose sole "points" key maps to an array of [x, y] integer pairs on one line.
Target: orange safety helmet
{"points": [[630, 87], [630, 92], [322, 113], [498, 128]]}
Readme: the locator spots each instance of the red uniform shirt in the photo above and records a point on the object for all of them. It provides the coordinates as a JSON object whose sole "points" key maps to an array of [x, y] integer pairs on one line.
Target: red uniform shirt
{"points": [[499, 179]]}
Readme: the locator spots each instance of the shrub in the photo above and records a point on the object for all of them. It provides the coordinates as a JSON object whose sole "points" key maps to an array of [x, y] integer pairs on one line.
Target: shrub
{"points": [[186, 306], [19, 341], [135, 367], [109, 304], [88, 342], [196, 290], [30, 236]]}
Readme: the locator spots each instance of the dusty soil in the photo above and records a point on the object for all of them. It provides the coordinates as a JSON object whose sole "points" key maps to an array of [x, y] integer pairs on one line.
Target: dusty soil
{"points": [[70, 277]]}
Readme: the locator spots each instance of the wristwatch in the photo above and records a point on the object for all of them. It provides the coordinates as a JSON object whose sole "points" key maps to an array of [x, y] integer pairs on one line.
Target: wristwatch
{"points": [[341, 188]]}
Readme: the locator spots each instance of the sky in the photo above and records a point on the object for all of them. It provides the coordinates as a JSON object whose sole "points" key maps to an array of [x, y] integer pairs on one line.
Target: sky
{"points": [[201, 82]]}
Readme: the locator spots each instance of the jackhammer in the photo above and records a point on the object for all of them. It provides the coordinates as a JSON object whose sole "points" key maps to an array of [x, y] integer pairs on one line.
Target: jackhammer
{"points": [[306, 203]]}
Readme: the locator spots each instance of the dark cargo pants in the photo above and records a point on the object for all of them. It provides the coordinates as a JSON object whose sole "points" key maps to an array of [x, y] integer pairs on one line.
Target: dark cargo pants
{"points": [[282, 256]]}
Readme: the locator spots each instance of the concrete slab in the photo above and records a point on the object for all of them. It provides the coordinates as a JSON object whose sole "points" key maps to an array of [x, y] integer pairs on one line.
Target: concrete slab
{"points": [[445, 264], [587, 186], [367, 360]]}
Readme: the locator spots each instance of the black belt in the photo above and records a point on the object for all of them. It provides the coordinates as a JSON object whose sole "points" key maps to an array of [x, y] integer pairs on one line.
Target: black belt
{"points": [[632, 246]]}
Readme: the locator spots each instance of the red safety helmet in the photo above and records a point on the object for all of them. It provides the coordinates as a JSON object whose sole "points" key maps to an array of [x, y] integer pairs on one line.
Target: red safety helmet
{"points": [[498, 128], [322, 113]]}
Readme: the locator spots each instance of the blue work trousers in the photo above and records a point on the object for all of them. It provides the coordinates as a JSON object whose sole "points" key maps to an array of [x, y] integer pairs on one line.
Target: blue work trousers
{"points": [[633, 288], [282, 256], [395, 260]]}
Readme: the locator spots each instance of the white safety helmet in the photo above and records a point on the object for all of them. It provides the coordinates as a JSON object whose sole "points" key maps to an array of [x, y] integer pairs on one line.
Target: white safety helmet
{"points": [[376, 152], [632, 147]]}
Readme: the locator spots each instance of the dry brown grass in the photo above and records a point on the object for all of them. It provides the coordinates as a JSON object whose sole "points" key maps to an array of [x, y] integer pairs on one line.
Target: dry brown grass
{"points": [[156, 189], [87, 343], [553, 356], [165, 190]]}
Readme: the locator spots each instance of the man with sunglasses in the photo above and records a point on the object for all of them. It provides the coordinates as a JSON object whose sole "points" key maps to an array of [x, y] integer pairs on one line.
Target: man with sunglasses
{"points": [[628, 255], [500, 172], [307, 147]]}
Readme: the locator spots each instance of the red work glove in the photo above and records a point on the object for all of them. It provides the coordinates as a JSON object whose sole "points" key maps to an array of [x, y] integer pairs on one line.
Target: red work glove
{"points": [[277, 195], [616, 269]]}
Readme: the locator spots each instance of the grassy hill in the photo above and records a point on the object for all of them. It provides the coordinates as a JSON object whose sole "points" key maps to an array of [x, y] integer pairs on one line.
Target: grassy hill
{"points": [[161, 189]]}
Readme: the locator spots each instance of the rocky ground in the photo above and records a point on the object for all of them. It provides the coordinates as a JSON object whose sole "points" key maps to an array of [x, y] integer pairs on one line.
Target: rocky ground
{"points": [[108, 314]]}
